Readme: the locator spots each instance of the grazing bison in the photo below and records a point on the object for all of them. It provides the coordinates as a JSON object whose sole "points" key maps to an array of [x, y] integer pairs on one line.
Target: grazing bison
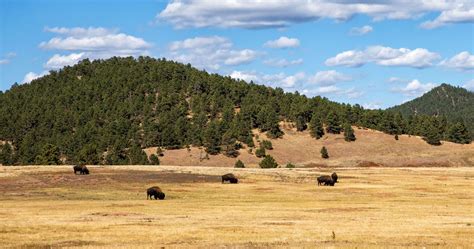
{"points": [[229, 178], [327, 180], [83, 170], [155, 192]]}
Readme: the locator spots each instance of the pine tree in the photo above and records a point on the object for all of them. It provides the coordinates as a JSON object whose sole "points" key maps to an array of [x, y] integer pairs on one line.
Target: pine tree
{"points": [[432, 135], [268, 162], [89, 155], [301, 123], [6, 154], [154, 160], [239, 164], [137, 156], [266, 145], [458, 133], [316, 127], [349, 133], [333, 124], [260, 152], [324, 153], [229, 145], [49, 155], [212, 138]]}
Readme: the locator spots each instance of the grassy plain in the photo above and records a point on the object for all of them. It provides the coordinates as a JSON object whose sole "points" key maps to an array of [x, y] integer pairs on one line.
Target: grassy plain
{"points": [[371, 207]]}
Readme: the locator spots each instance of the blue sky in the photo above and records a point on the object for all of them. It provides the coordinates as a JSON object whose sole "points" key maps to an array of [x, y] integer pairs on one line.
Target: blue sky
{"points": [[374, 53]]}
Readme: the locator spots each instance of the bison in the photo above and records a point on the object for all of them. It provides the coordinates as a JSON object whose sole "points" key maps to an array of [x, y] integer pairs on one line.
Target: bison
{"points": [[155, 192], [327, 180], [229, 178], [83, 170]]}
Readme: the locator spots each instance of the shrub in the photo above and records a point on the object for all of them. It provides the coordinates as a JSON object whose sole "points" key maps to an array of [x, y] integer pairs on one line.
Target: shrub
{"points": [[268, 162], [266, 145], [396, 137], [239, 164], [159, 151], [154, 160], [290, 166], [260, 152], [324, 153]]}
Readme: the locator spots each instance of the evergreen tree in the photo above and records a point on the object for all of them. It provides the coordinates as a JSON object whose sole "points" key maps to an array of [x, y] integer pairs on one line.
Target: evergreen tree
{"points": [[212, 138], [458, 133], [89, 155], [349, 133], [260, 152], [432, 135], [154, 160], [229, 145], [324, 153], [268, 162], [239, 164], [316, 127], [49, 155], [266, 145], [137, 156], [333, 123], [396, 137], [301, 123], [6, 154]]}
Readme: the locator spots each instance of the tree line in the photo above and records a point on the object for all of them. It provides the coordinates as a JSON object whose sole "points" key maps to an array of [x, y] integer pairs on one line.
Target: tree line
{"points": [[107, 111]]}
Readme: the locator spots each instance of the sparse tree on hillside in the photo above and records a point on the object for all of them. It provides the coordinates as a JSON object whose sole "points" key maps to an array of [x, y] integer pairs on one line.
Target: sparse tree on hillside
{"points": [[333, 124], [260, 152], [432, 135], [154, 160], [349, 133], [316, 127], [268, 162], [266, 145], [301, 123], [458, 133], [212, 138], [324, 153], [239, 164]]}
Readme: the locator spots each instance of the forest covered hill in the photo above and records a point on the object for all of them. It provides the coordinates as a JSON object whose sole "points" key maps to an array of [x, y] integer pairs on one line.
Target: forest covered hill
{"points": [[455, 103], [107, 111]]}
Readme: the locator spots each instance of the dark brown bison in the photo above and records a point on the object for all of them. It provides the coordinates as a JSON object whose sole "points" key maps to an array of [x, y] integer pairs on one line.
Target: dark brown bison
{"points": [[327, 180], [155, 192], [229, 178], [82, 169]]}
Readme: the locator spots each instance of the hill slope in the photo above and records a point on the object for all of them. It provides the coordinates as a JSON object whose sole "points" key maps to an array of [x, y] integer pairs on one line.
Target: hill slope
{"points": [[455, 103], [106, 111]]}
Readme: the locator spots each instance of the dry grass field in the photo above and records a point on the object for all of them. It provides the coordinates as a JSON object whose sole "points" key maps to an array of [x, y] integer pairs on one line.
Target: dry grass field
{"points": [[372, 207]]}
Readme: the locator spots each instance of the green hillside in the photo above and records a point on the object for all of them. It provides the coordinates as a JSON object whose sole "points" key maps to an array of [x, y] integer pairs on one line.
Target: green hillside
{"points": [[455, 103], [106, 111]]}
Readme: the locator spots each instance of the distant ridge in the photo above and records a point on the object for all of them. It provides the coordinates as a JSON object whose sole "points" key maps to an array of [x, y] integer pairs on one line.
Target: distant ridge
{"points": [[455, 103]]}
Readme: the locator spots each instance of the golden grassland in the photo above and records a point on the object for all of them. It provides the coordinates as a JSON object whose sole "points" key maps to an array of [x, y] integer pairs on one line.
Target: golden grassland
{"points": [[371, 148], [49, 206]]}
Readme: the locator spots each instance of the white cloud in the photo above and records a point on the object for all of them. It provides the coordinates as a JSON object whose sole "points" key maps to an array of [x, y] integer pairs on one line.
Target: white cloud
{"points": [[469, 85], [32, 76], [93, 43], [463, 61], [282, 13], [462, 13], [210, 53], [282, 62], [327, 78], [415, 88], [7, 58], [301, 81], [385, 56], [59, 61], [361, 30], [82, 32], [372, 105], [283, 42]]}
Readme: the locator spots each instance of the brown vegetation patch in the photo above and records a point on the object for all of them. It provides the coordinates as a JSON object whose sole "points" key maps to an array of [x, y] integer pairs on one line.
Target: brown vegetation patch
{"points": [[369, 164]]}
